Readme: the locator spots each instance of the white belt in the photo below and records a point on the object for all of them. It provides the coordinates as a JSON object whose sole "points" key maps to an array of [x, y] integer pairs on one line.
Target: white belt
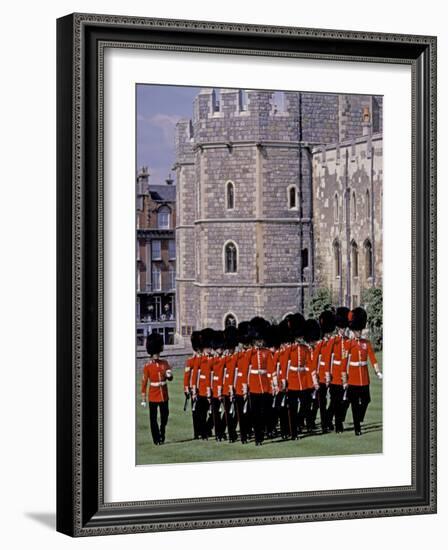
{"points": [[300, 369], [202, 376], [336, 362], [258, 371], [358, 364], [157, 384], [216, 378]]}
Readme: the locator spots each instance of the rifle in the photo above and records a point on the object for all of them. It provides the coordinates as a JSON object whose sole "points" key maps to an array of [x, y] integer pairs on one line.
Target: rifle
{"points": [[187, 397]]}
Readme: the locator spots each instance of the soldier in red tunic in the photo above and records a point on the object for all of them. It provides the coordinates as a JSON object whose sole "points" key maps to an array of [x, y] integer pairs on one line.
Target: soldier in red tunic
{"points": [[327, 325], [202, 385], [296, 377], [360, 352], [258, 384], [312, 338], [273, 342], [217, 367], [286, 340], [191, 366], [240, 381], [230, 354], [156, 373], [338, 371]]}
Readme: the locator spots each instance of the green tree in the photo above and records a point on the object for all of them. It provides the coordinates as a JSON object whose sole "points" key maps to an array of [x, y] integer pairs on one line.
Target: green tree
{"points": [[373, 303], [320, 301]]}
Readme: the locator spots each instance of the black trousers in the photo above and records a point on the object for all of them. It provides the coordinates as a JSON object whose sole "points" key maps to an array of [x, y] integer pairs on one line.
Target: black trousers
{"points": [[231, 418], [359, 398], [259, 403], [158, 432], [322, 400], [219, 424], [338, 406], [305, 414], [204, 418], [244, 416], [281, 408], [195, 418]]}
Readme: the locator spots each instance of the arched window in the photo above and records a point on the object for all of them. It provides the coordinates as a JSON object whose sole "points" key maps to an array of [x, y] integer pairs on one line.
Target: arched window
{"points": [[336, 208], [354, 250], [337, 258], [230, 320], [368, 204], [353, 207], [292, 197], [230, 195], [230, 257], [163, 217], [368, 258]]}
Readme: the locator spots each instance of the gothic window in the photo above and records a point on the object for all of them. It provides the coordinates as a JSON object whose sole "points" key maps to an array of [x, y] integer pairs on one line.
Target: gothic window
{"points": [[292, 197], [242, 100], [354, 251], [230, 194], [337, 258], [336, 208], [229, 320], [278, 102], [163, 217], [216, 101], [367, 205], [353, 207], [230, 257], [368, 258]]}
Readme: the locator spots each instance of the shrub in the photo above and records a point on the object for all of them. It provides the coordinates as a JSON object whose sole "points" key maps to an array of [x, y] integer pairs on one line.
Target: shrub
{"points": [[373, 303], [320, 301]]}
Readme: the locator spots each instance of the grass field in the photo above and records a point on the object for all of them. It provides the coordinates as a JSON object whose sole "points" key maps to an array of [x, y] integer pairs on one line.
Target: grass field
{"points": [[181, 447]]}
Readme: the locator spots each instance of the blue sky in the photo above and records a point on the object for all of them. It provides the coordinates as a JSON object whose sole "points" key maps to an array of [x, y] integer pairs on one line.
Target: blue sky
{"points": [[158, 110]]}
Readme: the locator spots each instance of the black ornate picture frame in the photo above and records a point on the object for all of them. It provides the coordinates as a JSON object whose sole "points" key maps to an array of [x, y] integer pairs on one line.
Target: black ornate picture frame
{"points": [[81, 40]]}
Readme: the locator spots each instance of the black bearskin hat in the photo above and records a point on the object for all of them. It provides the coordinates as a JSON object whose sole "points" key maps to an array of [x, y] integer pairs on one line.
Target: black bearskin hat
{"points": [[273, 336], [231, 337], [296, 324], [207, 337], [327, 321], [285, 332], [218, 340], [196, 341], [342, 317], [243, 332], [154, 343], [312, 331], [357, 319], [258, 328]]}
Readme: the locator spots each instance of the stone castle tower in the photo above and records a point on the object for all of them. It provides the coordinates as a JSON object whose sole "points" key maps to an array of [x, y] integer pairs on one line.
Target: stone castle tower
{"points": [[246, 191]]}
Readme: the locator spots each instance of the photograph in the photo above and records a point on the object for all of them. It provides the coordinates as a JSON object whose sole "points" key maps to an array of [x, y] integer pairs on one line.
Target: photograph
{"points": [[259, 273]]}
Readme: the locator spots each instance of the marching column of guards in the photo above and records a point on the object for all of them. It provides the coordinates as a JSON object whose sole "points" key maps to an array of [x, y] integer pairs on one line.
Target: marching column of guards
{"points": [[260, 380]]}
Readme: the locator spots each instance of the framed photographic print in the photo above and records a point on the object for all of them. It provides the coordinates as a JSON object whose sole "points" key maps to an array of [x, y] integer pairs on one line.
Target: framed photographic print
{"points": [[246, 274]]}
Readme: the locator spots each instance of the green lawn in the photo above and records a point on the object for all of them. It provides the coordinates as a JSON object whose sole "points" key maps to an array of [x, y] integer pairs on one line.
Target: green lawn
{"points": [[180, 447]]}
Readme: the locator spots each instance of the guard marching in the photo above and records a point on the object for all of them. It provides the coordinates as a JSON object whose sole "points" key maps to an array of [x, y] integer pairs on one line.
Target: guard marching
{"points": [[154, 389], [360, 352]]}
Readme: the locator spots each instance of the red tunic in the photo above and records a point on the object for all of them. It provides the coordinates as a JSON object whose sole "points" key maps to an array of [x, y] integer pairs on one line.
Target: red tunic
{"points": [[338, 367], [360, 350], [229, 373], [261, 364], [242, 367], [155, 373], [204, 376], [324, 365], [295, 368], [189, 366], [217, 366]]}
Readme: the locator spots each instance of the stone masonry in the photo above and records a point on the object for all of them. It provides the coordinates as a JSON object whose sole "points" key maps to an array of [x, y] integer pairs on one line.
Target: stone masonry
{"points": [[257, 172]]}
